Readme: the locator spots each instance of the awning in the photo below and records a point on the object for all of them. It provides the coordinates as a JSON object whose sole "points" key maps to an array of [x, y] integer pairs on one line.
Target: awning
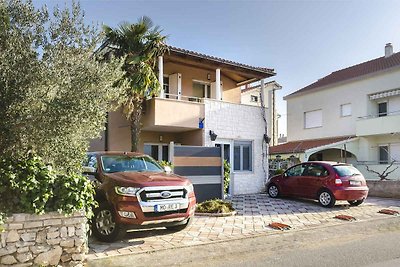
{"points": [[385, 94]]}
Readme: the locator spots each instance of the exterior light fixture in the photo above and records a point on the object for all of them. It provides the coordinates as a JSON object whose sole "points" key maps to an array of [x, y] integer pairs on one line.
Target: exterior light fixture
{"points": [[213, 136], [161, 138], [208, 76]]}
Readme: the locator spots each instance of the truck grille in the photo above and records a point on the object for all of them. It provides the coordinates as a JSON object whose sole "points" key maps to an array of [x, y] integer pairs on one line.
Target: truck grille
{"points": [[150, 195], [157, 214]]}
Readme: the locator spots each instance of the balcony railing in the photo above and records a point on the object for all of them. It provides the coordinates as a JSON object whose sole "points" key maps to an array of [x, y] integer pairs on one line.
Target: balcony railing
{"points": [[378, 124], [166, 114], [184, 98], [383, 114]]}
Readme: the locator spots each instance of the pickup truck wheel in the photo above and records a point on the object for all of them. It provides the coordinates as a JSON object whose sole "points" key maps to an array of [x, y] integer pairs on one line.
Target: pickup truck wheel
{"points": [[182, 226], [104, 226]]}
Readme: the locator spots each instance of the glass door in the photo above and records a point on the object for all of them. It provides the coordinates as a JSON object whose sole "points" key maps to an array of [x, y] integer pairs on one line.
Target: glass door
{"points": [[227, 155], [157, 151]]}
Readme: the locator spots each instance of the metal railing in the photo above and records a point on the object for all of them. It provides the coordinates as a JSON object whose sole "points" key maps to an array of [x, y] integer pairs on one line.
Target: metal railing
{"points": [[383, 114]]}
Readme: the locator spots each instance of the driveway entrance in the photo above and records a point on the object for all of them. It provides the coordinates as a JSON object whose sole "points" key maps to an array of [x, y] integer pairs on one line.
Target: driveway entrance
{"points": [[255, 213]]}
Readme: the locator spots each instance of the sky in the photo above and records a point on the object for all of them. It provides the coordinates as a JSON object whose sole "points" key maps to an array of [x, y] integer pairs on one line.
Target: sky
{"points": [[302, 40]]}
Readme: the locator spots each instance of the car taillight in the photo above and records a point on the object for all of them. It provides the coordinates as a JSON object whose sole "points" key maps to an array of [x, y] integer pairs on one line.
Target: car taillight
{"points": [[338, 181]]}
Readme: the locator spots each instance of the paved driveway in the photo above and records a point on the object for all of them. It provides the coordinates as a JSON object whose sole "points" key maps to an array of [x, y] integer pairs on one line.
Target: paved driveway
{"points": [[255, 213]]}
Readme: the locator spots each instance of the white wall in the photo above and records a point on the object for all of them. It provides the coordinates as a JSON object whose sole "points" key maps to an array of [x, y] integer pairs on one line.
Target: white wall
{"points": [[238, 122], [329, 100]]}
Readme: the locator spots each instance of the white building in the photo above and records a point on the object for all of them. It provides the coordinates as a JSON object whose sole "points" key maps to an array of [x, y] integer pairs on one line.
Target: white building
{"points": [[251, 96], [350, 115]]}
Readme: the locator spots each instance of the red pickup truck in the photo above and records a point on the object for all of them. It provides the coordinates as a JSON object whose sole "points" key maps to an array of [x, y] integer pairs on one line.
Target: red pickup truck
{"points": [[134, 191]]}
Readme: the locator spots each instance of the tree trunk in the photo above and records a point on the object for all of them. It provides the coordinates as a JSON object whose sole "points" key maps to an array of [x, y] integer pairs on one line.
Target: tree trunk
{"points": [[136, 126]]}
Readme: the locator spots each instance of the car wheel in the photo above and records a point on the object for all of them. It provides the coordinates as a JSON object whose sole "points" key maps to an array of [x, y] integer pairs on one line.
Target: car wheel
{"points": [[104, 226], [181, 226], [355, 202], [273, 191], [326, 199]]}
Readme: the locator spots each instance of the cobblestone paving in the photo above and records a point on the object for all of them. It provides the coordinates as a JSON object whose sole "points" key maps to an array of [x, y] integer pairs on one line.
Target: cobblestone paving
{"points": [[254, 214]]}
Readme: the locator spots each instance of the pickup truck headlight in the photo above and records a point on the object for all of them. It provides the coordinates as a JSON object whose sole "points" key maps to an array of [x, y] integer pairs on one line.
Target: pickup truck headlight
{"points": [[126, 191], [189, 188]]}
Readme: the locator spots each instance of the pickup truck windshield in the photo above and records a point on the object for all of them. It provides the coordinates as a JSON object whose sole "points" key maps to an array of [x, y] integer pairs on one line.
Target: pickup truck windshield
{"points": [[116, 163]]}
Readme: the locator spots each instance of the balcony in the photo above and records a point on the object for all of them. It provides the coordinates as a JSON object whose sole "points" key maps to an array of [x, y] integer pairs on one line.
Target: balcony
{"points": [[171, 115], [374, 125]]}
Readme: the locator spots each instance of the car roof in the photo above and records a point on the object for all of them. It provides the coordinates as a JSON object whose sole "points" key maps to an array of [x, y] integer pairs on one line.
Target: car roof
{"points": [[124, 153], [331, 163]]}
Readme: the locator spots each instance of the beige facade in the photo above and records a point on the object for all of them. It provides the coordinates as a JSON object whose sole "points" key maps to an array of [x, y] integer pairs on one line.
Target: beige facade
{"points": [[366, 107], [200, 94]]}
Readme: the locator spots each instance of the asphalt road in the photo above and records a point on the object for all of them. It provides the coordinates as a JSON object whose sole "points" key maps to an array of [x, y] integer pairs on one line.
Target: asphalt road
{"points": [[373, 243]]}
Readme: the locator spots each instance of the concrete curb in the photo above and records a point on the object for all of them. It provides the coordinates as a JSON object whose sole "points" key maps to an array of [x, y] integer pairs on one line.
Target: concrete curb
{"points": [[226, 214]]}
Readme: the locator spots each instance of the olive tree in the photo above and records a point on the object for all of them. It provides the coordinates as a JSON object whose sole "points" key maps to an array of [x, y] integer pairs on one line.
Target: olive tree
{"points": [[54, 93]]}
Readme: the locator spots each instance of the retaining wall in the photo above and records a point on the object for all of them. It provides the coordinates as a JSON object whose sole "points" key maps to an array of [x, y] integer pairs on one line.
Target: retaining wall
{"points": [[42, 240], [390, 189]]}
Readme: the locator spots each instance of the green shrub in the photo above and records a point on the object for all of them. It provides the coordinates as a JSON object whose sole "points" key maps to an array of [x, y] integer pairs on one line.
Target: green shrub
{"points": [[71, 193], [25, 184], [214, 206], [28, 185], [279, 171], [227, 176], [164, 163]]}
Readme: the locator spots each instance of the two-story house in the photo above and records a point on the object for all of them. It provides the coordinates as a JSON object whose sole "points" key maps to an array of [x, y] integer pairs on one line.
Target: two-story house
{"points": [[200, 105], [351, 115], [251, 96]]}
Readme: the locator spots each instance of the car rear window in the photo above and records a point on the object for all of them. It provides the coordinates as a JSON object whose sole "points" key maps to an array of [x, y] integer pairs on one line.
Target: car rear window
{"points": [[346, 170]]}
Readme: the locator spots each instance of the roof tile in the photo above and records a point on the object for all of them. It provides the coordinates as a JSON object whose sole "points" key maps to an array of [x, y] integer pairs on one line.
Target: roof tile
{"points": [[302, 145], [374, 65]]}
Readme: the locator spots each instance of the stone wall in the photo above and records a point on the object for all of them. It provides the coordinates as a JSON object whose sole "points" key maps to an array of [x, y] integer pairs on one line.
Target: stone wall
{"points": [[48, 239], [390, 189]]}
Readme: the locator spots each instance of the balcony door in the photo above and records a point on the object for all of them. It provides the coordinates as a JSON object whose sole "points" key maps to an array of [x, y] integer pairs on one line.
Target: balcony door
{"points": [[157, 151], [201, 89]]}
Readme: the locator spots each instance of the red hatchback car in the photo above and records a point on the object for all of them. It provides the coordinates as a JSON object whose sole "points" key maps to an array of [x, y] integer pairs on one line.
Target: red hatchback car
{"points": [[321, 180]]}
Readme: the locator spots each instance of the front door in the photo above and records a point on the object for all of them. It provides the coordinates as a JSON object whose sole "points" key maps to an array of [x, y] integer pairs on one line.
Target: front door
{"points": [[226, 155]]}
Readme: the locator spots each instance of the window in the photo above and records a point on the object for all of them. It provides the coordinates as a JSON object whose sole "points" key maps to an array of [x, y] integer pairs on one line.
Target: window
{"points": [[383, 154], [242, 153], [254, 98], [295, 171], [345, 110], [382, 109], [313, 119], [157, 151], [166, 86], [316, 171], [395, 152], [201, 90], [129, 164]]}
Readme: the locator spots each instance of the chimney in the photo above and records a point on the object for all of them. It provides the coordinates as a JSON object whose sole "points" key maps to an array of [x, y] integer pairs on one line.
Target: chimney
{"points": [[388, 50]]}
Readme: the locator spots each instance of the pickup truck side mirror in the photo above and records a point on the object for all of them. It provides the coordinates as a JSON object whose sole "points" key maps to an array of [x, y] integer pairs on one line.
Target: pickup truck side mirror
{"points": [[91, 173], [89, 170]]}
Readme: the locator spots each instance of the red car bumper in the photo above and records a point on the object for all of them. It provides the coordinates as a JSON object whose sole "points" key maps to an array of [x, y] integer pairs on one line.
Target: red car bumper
{"points": [[351, 193]]}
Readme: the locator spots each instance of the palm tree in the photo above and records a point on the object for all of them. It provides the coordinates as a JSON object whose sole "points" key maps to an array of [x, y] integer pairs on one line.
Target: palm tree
{"points": [[141, 44]]}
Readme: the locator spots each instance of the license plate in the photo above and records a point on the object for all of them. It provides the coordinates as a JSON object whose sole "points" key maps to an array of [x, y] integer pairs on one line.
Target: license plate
{"points": [[355, 183], [166, 207]]}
